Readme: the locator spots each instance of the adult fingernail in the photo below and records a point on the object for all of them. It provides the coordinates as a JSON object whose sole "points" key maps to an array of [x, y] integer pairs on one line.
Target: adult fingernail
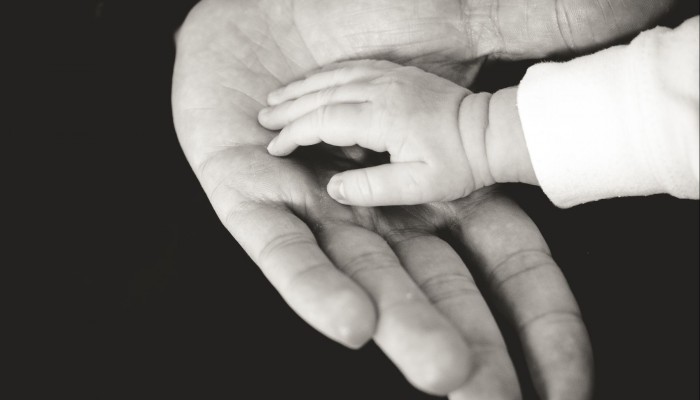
{"points": [[336, 189]]}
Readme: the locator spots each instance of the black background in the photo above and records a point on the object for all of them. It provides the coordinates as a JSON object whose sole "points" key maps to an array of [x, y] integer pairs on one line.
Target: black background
{"points": [[135, 290]]}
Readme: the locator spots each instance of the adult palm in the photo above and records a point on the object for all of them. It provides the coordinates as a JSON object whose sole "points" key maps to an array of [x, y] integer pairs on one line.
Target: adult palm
{"points": [[357, 273]]}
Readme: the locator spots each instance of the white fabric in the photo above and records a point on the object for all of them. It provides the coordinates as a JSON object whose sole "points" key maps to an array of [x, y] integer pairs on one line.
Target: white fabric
{"points": [[620, 122]]}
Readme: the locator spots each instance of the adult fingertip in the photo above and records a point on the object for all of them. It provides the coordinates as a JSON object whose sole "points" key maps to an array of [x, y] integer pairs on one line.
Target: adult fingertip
{"points": [[339, 309], [356, 334], [356, 319], [490, 381], [562, 357], [445, 371], [430, 353]]}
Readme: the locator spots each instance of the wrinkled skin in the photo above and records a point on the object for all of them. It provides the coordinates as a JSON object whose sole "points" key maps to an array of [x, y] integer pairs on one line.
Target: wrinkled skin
{"points": [[383, 273]]}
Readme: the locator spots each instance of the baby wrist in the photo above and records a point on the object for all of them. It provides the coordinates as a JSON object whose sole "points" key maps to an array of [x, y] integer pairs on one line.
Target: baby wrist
{"points": [[473, 124], [506, 148]]}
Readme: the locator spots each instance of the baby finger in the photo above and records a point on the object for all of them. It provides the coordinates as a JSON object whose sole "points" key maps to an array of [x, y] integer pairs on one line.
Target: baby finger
{"points": [[338, 125], [383, 185], [277, 117]]}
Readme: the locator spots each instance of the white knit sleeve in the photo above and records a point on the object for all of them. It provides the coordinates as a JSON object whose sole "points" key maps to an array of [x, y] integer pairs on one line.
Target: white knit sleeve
{"points": [[620, 122]]}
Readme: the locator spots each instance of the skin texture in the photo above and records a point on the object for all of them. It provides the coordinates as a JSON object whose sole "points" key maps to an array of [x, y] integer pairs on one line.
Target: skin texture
{"points": [[361, 273], [411, 114], [443, 140]]}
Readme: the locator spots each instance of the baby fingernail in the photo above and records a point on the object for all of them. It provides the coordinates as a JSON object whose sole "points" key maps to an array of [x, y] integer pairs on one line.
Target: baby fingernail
{"points": [[341, 191], [336, 189], [271, 145]]}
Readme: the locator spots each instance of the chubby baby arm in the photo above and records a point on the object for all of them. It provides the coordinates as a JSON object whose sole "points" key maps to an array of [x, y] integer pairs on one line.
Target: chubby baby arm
{"points": [[435, 131]]}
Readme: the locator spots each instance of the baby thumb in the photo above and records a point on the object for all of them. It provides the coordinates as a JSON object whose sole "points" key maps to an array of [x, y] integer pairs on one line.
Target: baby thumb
{"points": [[383, 185]]}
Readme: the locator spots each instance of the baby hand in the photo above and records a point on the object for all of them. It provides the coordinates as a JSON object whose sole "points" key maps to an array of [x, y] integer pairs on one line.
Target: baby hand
{"points": [[381, 106]]}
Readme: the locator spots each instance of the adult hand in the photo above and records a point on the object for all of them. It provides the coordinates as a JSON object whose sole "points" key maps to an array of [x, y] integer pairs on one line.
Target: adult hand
{"points": [[354, 273]]}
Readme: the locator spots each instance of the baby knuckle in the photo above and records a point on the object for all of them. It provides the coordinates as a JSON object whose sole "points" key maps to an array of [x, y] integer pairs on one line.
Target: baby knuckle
{"points": [[383, 63], [319, 116], [456, 187], [325, 95], [392, 87], [414, 186], [338, 73], [410, 69], [441, 184]]}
